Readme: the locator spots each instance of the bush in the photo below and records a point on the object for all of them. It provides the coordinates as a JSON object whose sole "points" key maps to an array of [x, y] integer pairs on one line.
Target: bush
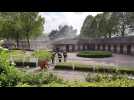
{"points": [[9, 75], [94, 68], [42, 55], [23, 85], [96, 77], [11, 79], [94, 54], [93, 77], [40, 78]]}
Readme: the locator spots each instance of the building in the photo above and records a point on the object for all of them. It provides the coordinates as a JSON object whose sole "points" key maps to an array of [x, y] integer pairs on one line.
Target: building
{"points": [[120, 45], [74, 44]]}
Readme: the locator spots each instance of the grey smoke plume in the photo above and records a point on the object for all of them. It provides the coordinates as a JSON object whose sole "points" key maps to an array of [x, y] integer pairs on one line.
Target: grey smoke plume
{"points": [[63, 32]]}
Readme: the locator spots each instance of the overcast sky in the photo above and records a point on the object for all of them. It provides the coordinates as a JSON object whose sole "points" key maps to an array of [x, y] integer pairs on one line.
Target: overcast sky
{"points": [[54, 19]]}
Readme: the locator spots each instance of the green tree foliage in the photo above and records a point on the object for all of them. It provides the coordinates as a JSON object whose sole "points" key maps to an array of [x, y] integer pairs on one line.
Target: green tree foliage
{"points": [[92, 26], [11, 26], [86, 26], [20, 25], [108, 24], [32, 25], [123, 22]]}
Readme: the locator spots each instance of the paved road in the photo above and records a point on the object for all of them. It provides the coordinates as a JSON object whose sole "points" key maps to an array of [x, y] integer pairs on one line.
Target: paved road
{"points": [[121, 60]]}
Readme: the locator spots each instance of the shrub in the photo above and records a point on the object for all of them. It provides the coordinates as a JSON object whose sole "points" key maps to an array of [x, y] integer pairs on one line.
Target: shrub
{"points": [[9, 75], [42, 55], [93, 77], [94, 54], [23, 85], [40, 78], [96, 77], [94, 68], [11, 79]]}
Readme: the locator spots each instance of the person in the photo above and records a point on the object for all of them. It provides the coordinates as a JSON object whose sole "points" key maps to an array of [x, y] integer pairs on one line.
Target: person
{"points": [[44, 64], [59, 56], [53, 57], [65, 55]]}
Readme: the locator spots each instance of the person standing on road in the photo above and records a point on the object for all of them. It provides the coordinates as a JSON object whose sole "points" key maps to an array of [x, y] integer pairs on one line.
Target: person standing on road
{"points": [[59, 56], [65, 55], [53, 57]]}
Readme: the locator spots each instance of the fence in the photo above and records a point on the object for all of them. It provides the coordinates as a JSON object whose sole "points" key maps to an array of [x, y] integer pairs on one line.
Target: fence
{"points": [[24, 61]]}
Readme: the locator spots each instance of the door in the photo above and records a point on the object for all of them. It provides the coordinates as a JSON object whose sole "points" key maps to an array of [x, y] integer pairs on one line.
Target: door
{"points": [[67, 48], [121, 49], [115, 48], [128, 49]]}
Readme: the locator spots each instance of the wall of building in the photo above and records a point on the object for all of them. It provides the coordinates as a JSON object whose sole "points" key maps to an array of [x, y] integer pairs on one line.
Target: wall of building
{"points": [[120, 45]]}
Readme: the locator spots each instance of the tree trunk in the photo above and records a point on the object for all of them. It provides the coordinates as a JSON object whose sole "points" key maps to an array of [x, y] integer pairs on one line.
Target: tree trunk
{"points": [[123, 31], [28, 42], [109, 35], [17, 40]]}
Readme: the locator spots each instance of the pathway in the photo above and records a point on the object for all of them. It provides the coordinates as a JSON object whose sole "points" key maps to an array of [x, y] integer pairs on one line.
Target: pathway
{"points": [[121, 60]]}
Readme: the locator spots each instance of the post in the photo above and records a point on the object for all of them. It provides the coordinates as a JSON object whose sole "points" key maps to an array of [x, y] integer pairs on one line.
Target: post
{"points": [[106, 47], [36, 62], [118, 48], [132, 49], [125, 49], [112, 48]]}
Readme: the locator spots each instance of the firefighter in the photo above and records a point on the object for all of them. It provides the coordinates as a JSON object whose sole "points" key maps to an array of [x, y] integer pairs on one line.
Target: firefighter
{"points": [[59, 56], [53, 57], [65, 55]]}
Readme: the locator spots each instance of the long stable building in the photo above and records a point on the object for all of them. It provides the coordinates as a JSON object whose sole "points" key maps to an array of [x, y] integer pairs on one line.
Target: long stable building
{"points": [[121, 45]]}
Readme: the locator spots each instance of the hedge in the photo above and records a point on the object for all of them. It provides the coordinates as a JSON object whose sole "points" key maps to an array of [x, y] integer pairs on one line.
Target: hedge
{"points": [[94, 54], [93, 68], [22, 64], [42, 54], [22, 59]]}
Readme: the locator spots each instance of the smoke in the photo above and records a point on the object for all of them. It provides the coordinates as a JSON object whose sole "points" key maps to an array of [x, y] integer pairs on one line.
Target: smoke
{"points": [[63, 32]]}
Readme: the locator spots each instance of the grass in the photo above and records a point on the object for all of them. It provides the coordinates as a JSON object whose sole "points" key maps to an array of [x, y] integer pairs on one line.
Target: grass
{"points": [[20, 56], [94, 68], [96, 80], [103, 83], [94, 54], [42, 54]]}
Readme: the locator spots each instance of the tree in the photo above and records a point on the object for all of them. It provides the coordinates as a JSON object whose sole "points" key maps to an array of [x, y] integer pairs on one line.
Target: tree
{"points": [[108, 24], [91, 26], [21, 25], [123, 22], [131, 21], [32, 25], [102, 25], [85, 30], [11, 26]]}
